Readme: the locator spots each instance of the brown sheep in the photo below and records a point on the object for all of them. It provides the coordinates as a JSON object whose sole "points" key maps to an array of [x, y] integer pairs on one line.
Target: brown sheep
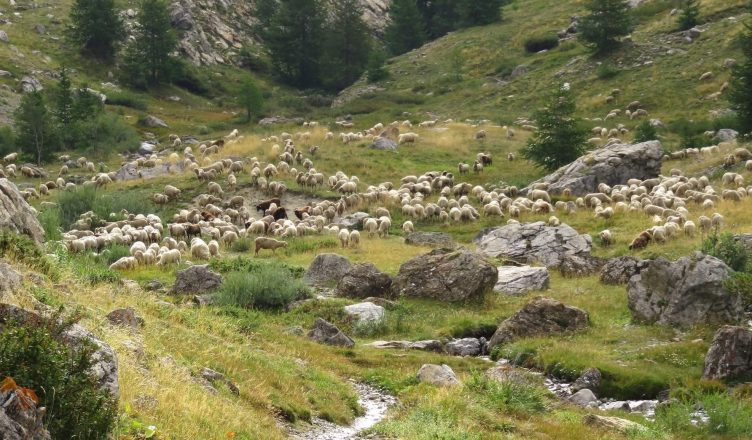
{"points": [[641, 241]]}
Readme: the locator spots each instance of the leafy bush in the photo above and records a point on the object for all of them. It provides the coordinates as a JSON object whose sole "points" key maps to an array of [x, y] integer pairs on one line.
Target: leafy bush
{"points": [[249, 265], [71, 204], [606, 71], [272, 287], [375, 69], [242, 245], [726, 248], [127, 99], [105, 134], [61, 377], [508, 395], [740, 284], [50, 221], [538, 43], [7, 140], [645, 131]]}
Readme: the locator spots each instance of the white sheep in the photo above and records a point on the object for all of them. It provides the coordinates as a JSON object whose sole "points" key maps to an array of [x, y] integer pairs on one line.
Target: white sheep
{"points": [[384, 224], [344, 237], [408, 227], [606, 237], [354, 239], [199, 249]]}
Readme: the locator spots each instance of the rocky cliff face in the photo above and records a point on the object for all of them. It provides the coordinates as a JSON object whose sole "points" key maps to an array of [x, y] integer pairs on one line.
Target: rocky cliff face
{"points": [[214, 31]]}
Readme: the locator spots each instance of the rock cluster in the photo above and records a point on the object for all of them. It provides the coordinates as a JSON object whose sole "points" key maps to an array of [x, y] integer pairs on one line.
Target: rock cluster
{"points": [[16, 214]]}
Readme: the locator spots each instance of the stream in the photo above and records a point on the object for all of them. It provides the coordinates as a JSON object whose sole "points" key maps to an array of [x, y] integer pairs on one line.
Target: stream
{"points": [[375, 403]]}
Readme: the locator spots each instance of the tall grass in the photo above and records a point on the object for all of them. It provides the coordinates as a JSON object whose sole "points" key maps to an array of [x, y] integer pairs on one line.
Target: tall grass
{"points": [[272, 287], [507, 395], [71, 204]]}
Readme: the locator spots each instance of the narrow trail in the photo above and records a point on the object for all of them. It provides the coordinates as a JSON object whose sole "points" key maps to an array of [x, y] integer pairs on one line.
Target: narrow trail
{"points": [[375, 402]]}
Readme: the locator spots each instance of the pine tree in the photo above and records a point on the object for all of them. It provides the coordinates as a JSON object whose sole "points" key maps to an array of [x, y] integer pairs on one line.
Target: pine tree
{"points": [[478, 12], [250, 99], [264, 13], [147, 59], [405, 30], [33, 127], [689, 14], [376, 70], [608, 20], [741, 83], [62, 95], [439, 16], [560, 138], [96, 28], [347, 45], [294, 41]]}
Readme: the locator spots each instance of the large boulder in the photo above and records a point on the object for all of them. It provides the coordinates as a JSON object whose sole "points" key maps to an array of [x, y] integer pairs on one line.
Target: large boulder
{"points": [[384, 143], [518, 280], [10, 280], [584, 397], [582, 265], [541, 316], [327, 269], [16, 215], [439, 375], [726, 134], [619, 270], [612, 165], [529, 243], [196, 279], [683, 293], [363, 281], [730, 354], [430, 239], [464, 347], [327, 333], [365, 312], [353, 221], [152, 121], [616, 424], [447, 275]]}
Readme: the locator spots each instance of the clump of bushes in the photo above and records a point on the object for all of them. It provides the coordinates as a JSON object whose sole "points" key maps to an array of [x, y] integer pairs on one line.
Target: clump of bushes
{"points": [[270, 287], [726, 248], [35, 358], [23, 249], [538, 43], [245, 264], [71, 204], [606, 71]]}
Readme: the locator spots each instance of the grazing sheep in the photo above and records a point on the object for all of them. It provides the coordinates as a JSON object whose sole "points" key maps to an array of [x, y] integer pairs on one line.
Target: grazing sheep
{"points": [[510, 157], [641, 241], [606, 238], [268, 243], [689, 228], [407, 138], [214, 248], [10, 158], [553, 221], [408, 227], [171, 256], [463, 168], [371, 225], [199, 249], [344, 237], [539, 194], [717, 220], [384, 224], [124, 263], [480, 135]]}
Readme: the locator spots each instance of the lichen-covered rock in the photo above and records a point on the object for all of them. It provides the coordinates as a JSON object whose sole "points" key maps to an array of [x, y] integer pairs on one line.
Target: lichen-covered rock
{"points": [[464, 347], [683, 293], [541, 316], [10, 280], [126, 317], [447, 275], [730, 354], [439, 375], [327, 333], [196, 279], [430, 239], [612, 165], [582, 265], [616, 424], [16, 215], [590, 379], [327, 269], [365, 312], [362, 281], [530, 243], [619, 270], [518, 280]]}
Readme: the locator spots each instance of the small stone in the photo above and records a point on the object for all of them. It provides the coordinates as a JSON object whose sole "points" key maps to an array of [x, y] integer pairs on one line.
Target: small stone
{"points": [[126, 317], [584, 397], [439, 375]]}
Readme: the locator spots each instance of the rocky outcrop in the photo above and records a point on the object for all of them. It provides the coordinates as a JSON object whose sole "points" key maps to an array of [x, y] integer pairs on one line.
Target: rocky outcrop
{"points": [[518, 280], [464, 347], [327, 269], [20, 418], [430, 239], [683, 293], [196, 279], [541, 316], [446, 275], [590, 379], [327, 333], [151, 121], [10, 280], [16, 215], [365, 312], [730, 354], [619, 270], [530, 243], [439, 375], [384, 143], [363, 281], [212, 378], [427, 345], [612, 165]]}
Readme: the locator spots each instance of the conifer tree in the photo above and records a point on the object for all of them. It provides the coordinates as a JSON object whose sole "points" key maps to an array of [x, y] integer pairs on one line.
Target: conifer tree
{"points": [[405, 30], [478, 12], [347, 45], [608, 20], [96, 28], [689, 14], [741, 83], [33, 127], [147, 59]]}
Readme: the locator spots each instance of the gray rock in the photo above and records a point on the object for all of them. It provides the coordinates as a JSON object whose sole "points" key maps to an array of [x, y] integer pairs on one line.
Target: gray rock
{"points": [[446, 275], [280, 120], [204, 300], [729, 63], [619, 270], [30, 84], [327, 333], [16, 214], [4, 37], [353, 221], [539, 317], [463, 347], [430, 239], [384, 143], [147, 149], [612, 165], [21, 421], [590, 379], [104, 359], [363, 281], [216, 377], [40, 29], [154, 285], [683, 293], [730, 354], [196, 279], [507, 373], [439, 375], [152, 121], [533, 243], [126, 317], [327, 269], [514, 280], [615, 424], [427, 345], [10, 280], [518, 71], [584, 397], [574, 266], [726, 134], [366, 312], [694, 33]]}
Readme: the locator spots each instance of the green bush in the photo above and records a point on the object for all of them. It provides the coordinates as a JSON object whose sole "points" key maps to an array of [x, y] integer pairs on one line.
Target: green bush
{"points": [[606, 71], [249, 265], [272, 287], [726, 248], [242, 245], [508, 395], [645, 131], [538, 43], [740, 283], [71, 204], [61, 377], [23, 249], [7, 140], [375, 69], [127, 99], [50, 221]]}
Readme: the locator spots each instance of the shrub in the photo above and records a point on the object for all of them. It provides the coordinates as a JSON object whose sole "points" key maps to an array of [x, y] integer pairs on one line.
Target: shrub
{"points": [[508, 395], [505, 68], [71, 204], [135, 203], [272, 287], [61, 377], [740, 284], [726, 248], [127, 99], [645, 131], [249, 265], [104, 134], [23, 249], [368, 329], [242, 245], [606, 71], [375, 69], [538, 43], [50, 221]]}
